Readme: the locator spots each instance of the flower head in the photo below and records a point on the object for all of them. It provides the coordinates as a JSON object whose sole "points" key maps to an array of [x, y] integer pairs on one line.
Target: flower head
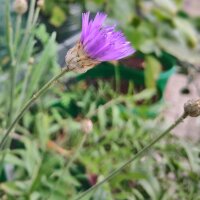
{"points": [[20, 6], [86, 126], [98, 43], [192, 108]]}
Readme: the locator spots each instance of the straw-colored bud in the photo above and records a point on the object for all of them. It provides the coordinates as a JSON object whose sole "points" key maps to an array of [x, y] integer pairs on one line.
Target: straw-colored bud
{"points": [[20, 6], [87, 126], [192, 108], [31, 61], [40, 3], [77, 60]]}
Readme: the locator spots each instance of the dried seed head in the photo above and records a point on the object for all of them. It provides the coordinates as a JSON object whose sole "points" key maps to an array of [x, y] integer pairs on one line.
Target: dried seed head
{"points": [[78, 61], [20, 6], [87, 126], [192, 108]]}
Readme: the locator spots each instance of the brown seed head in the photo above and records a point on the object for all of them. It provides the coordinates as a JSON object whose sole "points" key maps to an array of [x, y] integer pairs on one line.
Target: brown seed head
{"points": [[77, 59], [20, 6], [192, 108]]}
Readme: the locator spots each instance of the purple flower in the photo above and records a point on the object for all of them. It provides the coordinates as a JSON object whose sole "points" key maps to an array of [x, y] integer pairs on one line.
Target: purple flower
{"points": [[103, 43], [97, 43]]}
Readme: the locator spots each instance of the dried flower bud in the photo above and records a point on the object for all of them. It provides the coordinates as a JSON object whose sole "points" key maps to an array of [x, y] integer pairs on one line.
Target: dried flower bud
{"points": [[78, 61], [40, 3], [31, 60], [20, 6], [192, 108], [87, 126]]}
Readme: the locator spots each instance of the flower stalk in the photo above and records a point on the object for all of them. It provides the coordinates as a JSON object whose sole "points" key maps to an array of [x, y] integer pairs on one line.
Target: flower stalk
{"points": [[30, 102], [139, 154], [17, 31], [9, 37]]}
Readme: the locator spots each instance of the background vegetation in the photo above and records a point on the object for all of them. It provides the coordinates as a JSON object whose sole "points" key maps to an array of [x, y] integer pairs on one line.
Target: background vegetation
{"points": [[89, 124]]}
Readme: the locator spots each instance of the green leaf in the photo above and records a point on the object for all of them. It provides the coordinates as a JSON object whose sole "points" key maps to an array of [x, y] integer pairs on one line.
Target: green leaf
{"points": [[38, 70], [167, 5], [102, 118], [41, 33], [58, 16], [116, 8], [185, 26], [13, 159], [145, 95], [180, 50], [116, 116], [42, 127], [16, 188], [151, 72]]}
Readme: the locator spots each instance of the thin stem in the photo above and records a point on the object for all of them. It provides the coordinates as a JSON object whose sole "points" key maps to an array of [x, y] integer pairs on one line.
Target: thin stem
{"points": [[17, 31], [117, 78], [106, 106], [35, 18], [11, 53], [36, 176], [139, 154], [31, 21], [74, 157], [12, 85], [70, 162], [27, 30], [24, 87], [29, 103]]}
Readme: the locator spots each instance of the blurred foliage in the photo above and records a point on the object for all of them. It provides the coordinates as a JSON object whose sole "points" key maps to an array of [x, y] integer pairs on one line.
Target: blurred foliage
{"points": [[169, 171], [57, 11], [124, 119], [153, 26]]}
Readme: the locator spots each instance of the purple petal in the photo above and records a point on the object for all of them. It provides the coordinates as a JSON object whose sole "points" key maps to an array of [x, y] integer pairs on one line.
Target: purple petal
{"points": [[103, 43]]}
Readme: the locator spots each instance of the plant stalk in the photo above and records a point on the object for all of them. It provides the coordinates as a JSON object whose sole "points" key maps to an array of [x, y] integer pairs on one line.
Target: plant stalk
{"points": [[17, 31], [27, 30], [139, 154], [29, 103], [9, 39]]}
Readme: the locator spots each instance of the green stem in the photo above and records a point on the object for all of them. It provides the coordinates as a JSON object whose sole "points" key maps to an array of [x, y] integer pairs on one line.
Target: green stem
{"points": [[9, 39], [35, 178], [12, 80], [35, 18], [17, 31], [24, 87], [29, 103], [139, 154], [74, 157], [28, 71], [27, 30], [117, 78], [11, 53]]}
